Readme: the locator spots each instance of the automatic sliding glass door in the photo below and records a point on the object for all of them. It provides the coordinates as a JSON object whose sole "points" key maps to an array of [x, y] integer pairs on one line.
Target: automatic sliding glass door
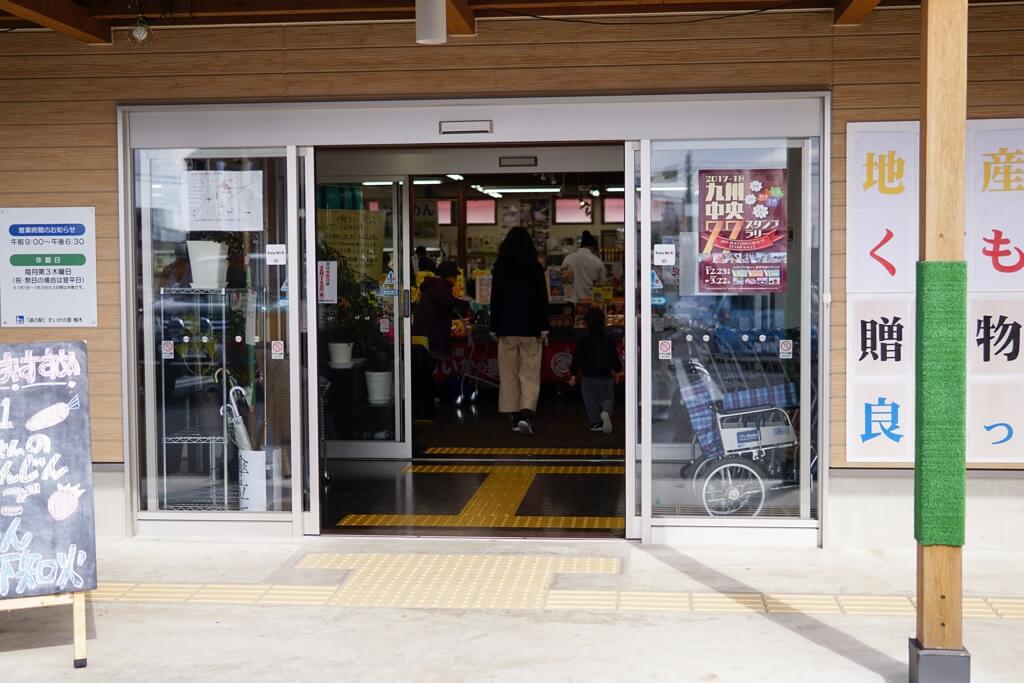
{"points": [[730, 318]]}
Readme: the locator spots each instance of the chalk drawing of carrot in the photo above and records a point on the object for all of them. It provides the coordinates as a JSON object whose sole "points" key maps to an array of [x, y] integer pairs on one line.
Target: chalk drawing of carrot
{"points": [[51, 416]]}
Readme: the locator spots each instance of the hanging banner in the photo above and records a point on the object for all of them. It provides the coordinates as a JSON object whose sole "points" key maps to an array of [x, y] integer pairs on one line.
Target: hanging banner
{"points": [[882, 249], [424, 222], [742, 245], [357, 236], [881, 253], [48, 268]]}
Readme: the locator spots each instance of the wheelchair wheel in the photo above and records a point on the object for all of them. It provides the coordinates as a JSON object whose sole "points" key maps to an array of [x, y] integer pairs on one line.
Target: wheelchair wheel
{"points": [[697, 472], [733, 486]]}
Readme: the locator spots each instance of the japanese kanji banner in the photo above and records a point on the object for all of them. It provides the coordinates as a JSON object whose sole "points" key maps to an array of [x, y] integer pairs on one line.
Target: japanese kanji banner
{"points": [[742, 246], [882, 228]]}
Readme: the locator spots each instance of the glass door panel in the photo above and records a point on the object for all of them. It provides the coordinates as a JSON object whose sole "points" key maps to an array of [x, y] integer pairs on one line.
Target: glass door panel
{"points": [[731, 329], [215, 345], [359, 332]]}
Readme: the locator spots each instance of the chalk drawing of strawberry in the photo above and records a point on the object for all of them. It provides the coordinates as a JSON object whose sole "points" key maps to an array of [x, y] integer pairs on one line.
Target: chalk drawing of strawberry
{"points": [[64, 501]]}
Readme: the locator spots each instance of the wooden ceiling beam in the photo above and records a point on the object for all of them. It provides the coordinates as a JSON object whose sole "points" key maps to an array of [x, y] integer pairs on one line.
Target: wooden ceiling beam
{"points": [[62, 16], [460, 17], [853, 12]]}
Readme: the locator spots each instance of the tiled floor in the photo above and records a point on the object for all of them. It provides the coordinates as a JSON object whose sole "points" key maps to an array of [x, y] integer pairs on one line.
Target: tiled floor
{"points": [[477, 581]]}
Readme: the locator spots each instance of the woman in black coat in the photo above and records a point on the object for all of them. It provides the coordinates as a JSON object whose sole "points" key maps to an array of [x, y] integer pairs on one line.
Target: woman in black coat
{"points": [[519, 319]]}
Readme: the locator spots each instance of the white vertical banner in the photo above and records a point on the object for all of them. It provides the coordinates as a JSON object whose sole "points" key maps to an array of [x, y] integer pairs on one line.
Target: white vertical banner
{"points": [[995, 281], [881, 253], [882, 228]]}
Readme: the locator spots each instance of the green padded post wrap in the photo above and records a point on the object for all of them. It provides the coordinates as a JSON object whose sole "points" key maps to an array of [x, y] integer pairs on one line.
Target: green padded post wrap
{"points": [[940, 430]]}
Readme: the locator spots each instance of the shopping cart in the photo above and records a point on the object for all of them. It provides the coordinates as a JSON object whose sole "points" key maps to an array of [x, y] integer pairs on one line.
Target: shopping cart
{"points": [[478, 340]]}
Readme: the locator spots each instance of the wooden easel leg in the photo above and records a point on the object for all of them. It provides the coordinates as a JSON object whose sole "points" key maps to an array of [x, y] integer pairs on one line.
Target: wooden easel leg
{"points": [[78, 610]]}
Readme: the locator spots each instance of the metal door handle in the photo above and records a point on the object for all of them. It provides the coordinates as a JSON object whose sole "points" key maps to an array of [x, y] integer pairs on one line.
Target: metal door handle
{"points": [[406, 303]]}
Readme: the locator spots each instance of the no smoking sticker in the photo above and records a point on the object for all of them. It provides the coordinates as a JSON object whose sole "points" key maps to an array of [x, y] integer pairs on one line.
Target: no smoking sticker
{"points": [[665, 349], [785, 348], [277, 350], [167, 349]]}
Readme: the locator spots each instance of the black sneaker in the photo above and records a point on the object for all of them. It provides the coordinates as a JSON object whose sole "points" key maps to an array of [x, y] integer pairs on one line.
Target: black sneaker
{"points": [[515, 423], [525, 425], [597, 427]]}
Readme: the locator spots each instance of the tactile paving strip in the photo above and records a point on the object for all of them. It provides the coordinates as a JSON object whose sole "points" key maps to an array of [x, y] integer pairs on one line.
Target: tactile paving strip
{"points": [[480, 452], [495, 503]]}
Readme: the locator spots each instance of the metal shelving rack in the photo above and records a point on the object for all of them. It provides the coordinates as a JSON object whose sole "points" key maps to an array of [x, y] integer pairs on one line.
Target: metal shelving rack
{"points": [[200, 301]]}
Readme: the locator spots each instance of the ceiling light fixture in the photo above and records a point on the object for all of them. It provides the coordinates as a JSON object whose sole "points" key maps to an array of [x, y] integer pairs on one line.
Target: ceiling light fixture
{"points": [[524, 190], [431, 22], [426, 181], [455, 176], [377, 183], [140, 33], [614, 189]]}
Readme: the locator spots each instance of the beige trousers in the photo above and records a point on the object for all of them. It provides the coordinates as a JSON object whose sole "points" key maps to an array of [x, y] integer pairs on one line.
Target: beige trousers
{"points": [[519, 361]]}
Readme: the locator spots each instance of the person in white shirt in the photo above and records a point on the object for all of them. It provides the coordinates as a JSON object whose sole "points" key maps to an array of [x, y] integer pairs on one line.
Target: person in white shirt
{"points": [[586, 266]]}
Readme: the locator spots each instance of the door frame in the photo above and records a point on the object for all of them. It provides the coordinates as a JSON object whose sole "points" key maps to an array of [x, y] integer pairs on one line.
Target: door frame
{"points": [[495, 122]]}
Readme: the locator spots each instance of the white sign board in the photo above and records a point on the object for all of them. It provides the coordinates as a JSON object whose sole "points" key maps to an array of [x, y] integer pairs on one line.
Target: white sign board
{"points": [[224, 201], [664, 254], [48, 267], [277, 254], [881, 214], [327, 282]]}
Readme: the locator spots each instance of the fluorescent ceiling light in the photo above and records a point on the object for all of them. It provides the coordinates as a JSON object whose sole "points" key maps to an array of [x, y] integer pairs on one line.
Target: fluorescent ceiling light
{"points": [[426, 181], [614, 189], [595, 192], [524, 190], [377, 183], [455, 176], [670, 188]]}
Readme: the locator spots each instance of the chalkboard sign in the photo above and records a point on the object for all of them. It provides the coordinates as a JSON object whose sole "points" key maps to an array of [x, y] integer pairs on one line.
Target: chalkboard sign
{"points": [[47, 530]]}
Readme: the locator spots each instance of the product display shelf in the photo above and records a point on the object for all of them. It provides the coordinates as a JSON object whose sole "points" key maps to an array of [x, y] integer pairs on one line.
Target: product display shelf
{"points": [[207, 310]]}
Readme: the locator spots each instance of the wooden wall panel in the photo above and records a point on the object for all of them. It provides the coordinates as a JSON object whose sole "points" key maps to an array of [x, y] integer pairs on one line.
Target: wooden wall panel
{"points": [[58, 134]]}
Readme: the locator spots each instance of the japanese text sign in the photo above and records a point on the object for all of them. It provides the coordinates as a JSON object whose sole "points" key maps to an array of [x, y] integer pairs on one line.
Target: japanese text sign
{"points": [[882, 245], [742, 246], [48, 267], [47, 528]]}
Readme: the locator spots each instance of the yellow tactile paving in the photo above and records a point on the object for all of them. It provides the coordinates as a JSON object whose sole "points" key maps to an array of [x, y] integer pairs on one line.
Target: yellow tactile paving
{"points": [[607, 600], [465, 450], [887, 605], [494, 504], [787, 603], [728, 602], [655, 601], [1008, 608], [486, 581], [243, 594]]}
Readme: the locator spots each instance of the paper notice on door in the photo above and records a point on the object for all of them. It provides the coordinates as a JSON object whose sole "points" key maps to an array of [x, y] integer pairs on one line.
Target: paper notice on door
{"points": [[327, 282], [664, 254], [277, 254]]}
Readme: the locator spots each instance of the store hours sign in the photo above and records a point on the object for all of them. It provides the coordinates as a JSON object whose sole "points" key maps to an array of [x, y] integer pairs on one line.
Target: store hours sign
{"points": [[48, 267], [47, 527], [882, 249]]}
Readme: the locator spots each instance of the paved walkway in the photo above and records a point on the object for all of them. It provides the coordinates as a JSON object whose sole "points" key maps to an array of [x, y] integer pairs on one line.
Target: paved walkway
{"points": [[453, 610]]}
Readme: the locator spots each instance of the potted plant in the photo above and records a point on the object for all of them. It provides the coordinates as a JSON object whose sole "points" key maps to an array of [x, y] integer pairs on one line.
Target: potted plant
{"points": [[380, 376], [353, 320]]}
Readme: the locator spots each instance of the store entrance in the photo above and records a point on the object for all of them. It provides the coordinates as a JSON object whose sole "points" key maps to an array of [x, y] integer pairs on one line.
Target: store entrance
{"points": [[449, 402]]}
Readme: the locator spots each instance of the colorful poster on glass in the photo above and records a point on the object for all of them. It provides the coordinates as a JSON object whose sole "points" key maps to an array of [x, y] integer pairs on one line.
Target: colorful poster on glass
{"points": [[742, 244]]}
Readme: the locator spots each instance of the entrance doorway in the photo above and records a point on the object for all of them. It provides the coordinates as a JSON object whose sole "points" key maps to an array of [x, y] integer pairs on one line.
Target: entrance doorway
{"points": [[413, 437]]}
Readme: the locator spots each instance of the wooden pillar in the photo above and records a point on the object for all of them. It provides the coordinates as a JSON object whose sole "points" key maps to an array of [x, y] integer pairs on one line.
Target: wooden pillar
{"points": [[943, 127]]}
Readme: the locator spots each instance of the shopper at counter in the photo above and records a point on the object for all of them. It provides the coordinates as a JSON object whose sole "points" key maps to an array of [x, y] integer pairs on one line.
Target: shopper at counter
{"points": [[519, 319], [436, 308], [586, 266]]}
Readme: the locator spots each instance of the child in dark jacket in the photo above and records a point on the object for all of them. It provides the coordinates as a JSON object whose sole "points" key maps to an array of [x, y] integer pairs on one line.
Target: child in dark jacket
{"points": [[598, 359]]}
